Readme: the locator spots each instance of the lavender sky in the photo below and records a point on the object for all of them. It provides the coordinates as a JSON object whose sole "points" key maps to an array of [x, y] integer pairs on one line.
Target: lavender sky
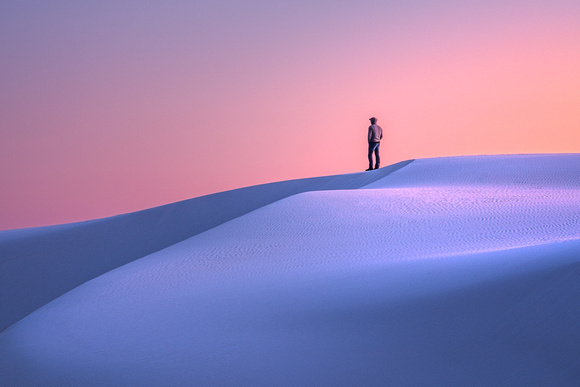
{"points": [[109, 107]]}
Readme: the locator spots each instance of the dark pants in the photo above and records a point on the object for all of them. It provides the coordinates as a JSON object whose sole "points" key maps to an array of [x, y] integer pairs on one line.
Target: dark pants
{"points": [[374, 148]]}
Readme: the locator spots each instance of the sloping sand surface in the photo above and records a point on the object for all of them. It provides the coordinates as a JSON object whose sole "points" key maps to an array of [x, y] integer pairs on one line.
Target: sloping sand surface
{"points": [[56, 259], [452, 271]]}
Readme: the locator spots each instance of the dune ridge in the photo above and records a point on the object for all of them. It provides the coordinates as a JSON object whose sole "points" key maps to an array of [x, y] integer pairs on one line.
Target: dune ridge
{"points": [[78, 252]]}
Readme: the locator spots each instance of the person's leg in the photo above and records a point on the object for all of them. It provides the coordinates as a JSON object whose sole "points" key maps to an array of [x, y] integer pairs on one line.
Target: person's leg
{"points": [[371, 150], [377, 157]]}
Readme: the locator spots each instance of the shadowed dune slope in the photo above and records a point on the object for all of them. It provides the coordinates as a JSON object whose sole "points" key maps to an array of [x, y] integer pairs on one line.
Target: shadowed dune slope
{"points": [[39, 265]]}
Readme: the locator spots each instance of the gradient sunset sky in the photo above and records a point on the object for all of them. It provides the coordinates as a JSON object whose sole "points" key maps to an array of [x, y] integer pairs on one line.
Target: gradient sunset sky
{"points": [[110, 107]]}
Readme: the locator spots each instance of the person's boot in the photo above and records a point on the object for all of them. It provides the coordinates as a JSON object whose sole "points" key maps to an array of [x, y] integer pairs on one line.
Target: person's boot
{"points": [[377, 166], [370, 168]]}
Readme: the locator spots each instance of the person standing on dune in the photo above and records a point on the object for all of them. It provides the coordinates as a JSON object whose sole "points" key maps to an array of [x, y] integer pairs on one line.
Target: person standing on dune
{"points": [[374, 137]]}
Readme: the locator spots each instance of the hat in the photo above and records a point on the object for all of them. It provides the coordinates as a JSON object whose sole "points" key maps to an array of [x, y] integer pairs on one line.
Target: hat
{"points": [[373, 119]]}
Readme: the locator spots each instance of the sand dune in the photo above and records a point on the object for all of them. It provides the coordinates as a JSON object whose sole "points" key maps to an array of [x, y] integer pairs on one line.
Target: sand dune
{"points": [[31, 259], [451, 271]]}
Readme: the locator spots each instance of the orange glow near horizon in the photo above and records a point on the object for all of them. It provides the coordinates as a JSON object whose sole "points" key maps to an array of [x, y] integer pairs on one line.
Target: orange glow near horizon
{"points": [[107, 110]]}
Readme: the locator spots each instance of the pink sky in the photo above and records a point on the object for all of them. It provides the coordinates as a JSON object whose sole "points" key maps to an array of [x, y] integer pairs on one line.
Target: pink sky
{"points": [[115, 106]]}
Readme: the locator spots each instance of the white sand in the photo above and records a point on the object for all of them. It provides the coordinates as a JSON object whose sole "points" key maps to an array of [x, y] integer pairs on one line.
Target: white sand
{"points": [[448, 271]]}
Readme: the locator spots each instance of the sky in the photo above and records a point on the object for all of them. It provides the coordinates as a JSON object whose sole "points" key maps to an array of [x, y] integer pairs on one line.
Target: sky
{"points": [[109, 107]]}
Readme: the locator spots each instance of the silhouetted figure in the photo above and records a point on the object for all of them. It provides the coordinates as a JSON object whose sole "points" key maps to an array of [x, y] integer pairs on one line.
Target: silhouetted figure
{"points": [[375, 135]]}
